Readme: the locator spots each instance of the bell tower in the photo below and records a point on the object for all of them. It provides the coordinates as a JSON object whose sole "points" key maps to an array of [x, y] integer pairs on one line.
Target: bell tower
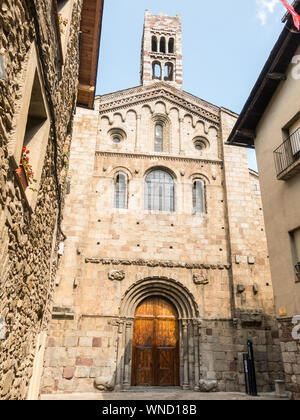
{"points": [[162, 50]]}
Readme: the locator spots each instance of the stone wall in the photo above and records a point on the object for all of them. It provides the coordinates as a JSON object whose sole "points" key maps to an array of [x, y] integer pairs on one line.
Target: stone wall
{"points": [[290, 355], [84, 352], [28, 220]]}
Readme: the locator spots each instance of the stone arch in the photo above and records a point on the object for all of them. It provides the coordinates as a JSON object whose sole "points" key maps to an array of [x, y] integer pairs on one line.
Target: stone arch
{"points": [[115, 170], [179, 295], [118, 117], [196, 175], [131, 111], [160, 108], [189, 328], [163, 168]]}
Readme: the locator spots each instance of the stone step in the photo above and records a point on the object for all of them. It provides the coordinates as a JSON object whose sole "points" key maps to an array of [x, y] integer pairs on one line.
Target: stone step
{"points": [[152, 395]]}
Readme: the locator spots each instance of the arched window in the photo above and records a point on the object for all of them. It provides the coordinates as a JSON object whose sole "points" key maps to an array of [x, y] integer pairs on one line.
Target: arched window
{"points": [[171, 46], [169, 72], [159, 138], [156, 70], [162, 47], [160, 191], [121, 191], [198, 196], [154, 44]]}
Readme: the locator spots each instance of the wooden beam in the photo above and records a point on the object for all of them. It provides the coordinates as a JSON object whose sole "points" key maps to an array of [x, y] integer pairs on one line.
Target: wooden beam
{"points": [[247, 133], [97, 29], [86, 88], [276, 76]]}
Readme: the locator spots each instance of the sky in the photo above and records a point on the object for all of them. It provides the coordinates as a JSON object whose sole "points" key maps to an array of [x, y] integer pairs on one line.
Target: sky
{"points": [[225, 46]]}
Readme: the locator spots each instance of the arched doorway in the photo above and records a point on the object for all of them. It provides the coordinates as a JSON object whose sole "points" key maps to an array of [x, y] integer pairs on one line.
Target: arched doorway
{"points": [[155, 345], [189, 329]]}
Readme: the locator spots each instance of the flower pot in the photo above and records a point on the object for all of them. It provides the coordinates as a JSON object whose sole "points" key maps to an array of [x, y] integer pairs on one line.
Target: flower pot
{"points": [[22, 177]]}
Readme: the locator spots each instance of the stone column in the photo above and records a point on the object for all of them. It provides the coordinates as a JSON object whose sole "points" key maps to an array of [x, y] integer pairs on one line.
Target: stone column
{"points": [[127, 358], [196, 347], [138, 129], [181, 120], [191, 354], [185, 356], [119, 355]]}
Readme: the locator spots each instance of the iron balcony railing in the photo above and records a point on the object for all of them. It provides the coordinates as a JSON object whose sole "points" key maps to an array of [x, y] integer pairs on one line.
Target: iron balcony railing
{"points": [[288, 152]]}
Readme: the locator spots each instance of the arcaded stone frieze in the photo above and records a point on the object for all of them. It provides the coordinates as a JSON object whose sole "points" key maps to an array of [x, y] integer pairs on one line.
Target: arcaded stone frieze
{"points": [[163, 92], [139, 89], [157, 263], [160, 157]]}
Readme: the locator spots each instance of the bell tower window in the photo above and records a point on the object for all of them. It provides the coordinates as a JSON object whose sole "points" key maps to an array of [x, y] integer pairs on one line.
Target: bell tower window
{"points": [[156, 70], [162, 48], [169, 72], [154, 44], [171, 46]]}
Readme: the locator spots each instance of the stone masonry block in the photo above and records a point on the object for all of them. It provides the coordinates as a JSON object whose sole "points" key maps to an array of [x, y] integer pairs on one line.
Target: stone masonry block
{"points": [[82, 372], [71, 341], [80, 361], [85, 341], [68, 372], [97, 342]]}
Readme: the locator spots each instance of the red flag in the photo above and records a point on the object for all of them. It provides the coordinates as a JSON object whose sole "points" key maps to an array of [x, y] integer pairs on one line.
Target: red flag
{"points": [[295, 15]]}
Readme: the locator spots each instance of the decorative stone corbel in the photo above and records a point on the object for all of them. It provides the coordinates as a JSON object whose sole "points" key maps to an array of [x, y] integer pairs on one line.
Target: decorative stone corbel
{"points": [[200, 278], [104, 384], [118, 275]]}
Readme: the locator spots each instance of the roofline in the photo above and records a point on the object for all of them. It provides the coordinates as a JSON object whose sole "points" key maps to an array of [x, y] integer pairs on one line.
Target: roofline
{"points": [[156, 85], [276, 54]]}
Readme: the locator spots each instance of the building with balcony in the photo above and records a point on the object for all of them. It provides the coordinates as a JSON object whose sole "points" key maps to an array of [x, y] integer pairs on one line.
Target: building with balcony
{"points": [[270, 122]]}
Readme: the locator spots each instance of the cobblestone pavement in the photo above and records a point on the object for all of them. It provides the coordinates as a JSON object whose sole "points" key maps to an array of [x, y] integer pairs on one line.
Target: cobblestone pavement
{"points": [[169, 396]]}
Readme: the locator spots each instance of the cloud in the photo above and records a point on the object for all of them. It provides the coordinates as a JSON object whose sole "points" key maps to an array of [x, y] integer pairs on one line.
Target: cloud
{"points": [[265, 8]]}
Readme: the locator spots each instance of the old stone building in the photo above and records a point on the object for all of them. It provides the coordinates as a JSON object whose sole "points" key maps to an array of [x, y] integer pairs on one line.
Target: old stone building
{"points": [[39, 70], [270, 122], [165, 273]]}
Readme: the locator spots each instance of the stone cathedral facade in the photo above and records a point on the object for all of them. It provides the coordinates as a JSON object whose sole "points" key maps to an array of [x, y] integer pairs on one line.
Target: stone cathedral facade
{"points": [[164, 275]]}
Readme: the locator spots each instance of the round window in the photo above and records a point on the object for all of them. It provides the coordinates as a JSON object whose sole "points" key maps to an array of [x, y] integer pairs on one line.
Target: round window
{"points": [[199, 146], [117, 135], [200, 143]]}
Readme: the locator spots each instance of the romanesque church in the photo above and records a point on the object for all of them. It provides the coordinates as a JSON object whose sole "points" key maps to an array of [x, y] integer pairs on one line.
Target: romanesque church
{"points": [[164, 275]]}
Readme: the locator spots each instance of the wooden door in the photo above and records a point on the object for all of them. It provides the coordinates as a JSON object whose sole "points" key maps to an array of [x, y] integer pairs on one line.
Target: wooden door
{"points": [[155, 349]]}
